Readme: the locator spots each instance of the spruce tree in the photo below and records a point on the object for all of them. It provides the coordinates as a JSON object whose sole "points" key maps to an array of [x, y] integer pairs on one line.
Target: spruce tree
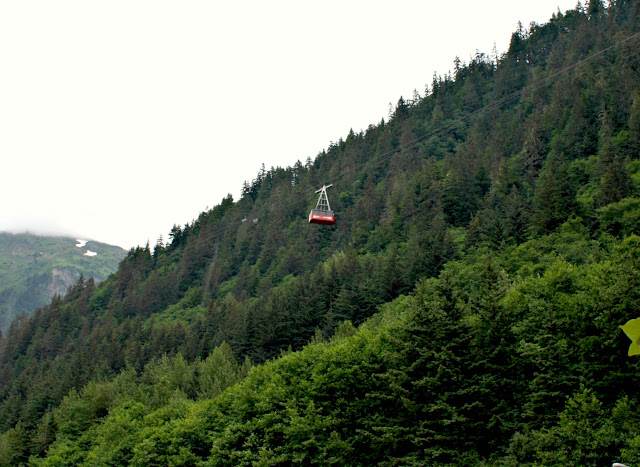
{"points": [[554, 197]]}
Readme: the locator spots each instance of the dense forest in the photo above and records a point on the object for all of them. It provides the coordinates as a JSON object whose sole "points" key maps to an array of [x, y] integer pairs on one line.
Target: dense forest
{"points": [[464, 309]]}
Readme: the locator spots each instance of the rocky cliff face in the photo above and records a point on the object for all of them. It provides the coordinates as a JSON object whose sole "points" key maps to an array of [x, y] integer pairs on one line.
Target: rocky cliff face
{"points": [[61, 280]]}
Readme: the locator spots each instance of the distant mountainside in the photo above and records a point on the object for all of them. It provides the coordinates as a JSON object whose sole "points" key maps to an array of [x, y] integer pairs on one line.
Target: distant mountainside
{"points": [[35, 268]]}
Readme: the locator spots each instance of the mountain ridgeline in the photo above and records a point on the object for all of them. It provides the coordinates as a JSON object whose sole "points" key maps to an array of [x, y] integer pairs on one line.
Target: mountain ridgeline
{"points": [[35, 268], [464, 309]]}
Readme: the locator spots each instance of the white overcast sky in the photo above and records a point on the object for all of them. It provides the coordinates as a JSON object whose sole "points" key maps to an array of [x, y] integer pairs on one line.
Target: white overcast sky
{"points": [[121, 118]]}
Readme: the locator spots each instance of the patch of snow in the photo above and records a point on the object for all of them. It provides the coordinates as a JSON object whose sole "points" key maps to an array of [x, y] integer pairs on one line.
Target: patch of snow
{"points": [[90, 253], [81, 243]]}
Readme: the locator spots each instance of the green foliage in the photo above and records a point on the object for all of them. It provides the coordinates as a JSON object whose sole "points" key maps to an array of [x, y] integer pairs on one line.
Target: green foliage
{"points": [[586, 434], [621, 218], [554, 197], [218, 371], [472, 366], [185, 310], [125, 420], [486, 254], [13, 446]]}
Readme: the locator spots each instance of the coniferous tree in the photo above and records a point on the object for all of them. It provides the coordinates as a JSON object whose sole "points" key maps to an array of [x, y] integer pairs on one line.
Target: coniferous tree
{"points": [[554, 197], [615, 181], [634, 121]]}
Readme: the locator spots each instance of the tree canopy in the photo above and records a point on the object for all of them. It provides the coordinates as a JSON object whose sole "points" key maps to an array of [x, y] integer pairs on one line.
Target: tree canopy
{"points": [[464, 309]]}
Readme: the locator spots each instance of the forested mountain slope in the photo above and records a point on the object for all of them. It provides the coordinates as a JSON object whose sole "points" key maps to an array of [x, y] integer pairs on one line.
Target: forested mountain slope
{"points": [[508, 194], [34, 268]]}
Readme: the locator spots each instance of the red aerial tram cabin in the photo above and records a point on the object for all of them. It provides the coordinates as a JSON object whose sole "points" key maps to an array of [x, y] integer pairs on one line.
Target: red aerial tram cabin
{"points": [[322, 214], [316, 216]]}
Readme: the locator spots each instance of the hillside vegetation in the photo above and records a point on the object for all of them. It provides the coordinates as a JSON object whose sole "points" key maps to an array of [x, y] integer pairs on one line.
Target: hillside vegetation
{"points": [[463, 310], [34, 268]]}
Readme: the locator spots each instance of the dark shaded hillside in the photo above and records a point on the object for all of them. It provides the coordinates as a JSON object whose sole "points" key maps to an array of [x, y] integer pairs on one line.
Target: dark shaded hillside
{"points": [[495, 161], [34, 268]]}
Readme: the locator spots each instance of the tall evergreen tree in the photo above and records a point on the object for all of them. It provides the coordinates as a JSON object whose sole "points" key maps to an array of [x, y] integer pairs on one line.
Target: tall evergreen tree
{"points": [[554, 197]]}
